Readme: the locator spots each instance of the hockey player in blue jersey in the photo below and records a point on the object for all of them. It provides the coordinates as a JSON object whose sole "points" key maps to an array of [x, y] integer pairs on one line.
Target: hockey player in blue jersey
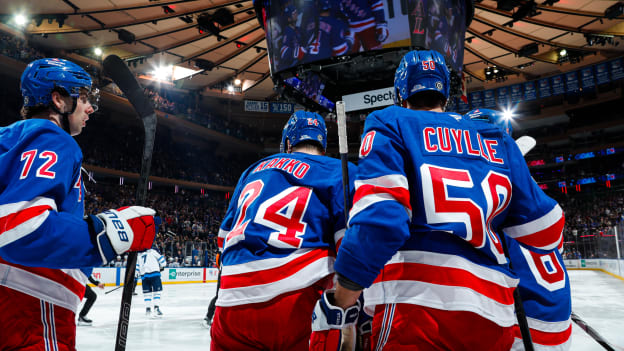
{"points": [[367, 23], [328, 36], [44, 236], [544, 284], [279, 239], [433, 195], [292, 49]]}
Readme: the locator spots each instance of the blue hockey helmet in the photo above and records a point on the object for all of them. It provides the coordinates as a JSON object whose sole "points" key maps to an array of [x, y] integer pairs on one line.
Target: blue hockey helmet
{"points": [[289, 10], [418, 71], [302, 126], [324, 5], [41, 77], [490, 116]]}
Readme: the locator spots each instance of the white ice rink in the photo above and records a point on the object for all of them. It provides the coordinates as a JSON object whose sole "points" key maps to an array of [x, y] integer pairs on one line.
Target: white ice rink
{"points": [[597, 298]]}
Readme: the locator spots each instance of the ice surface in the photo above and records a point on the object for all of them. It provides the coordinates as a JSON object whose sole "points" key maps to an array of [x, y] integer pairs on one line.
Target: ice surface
{"points": [[597, 298]]}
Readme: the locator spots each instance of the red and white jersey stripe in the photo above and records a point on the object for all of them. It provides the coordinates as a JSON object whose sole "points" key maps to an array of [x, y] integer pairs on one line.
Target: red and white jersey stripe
{"points": [[358, 26], [543, 233], [546, 336], [262, 280], [446, 282], [61, 287], [392, 187], [19, 219]]}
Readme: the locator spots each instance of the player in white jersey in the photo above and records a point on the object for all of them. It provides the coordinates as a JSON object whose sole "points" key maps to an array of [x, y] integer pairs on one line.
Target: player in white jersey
{"points": [[44, 236], [433, 198], [149, 265]]}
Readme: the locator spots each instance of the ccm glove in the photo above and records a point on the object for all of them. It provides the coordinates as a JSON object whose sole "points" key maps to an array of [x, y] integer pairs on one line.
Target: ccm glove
{"points": [[328, 321], [125, 229], [382, 31]]}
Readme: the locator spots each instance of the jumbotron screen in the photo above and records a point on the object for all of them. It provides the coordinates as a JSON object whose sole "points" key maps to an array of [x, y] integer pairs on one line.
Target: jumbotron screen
{"points": [[305, 31]]}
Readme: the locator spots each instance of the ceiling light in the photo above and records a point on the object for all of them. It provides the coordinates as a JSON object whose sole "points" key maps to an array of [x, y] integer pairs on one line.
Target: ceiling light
{"points": [[162, 72], [230, 88], [97, 52], [20, 20], [563, 52], [237, 82], [495, 70]]}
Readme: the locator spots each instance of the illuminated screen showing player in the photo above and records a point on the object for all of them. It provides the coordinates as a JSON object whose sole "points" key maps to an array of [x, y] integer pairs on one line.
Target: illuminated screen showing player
{"points": [[305, 31]]}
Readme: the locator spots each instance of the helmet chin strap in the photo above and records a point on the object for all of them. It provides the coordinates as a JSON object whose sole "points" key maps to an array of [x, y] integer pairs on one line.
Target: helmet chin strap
{"points": [[65, 115]]}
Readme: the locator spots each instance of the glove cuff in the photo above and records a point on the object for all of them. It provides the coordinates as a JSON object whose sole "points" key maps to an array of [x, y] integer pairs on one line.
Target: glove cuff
{"points": [[98, 234]]}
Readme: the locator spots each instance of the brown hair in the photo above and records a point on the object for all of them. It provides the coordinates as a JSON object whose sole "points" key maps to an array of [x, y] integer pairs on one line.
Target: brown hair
{"points": [[427, 100]]}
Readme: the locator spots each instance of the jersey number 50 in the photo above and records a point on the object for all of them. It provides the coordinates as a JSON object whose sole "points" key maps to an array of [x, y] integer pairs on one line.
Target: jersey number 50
{"points": [[441, 208], [282, 212]]}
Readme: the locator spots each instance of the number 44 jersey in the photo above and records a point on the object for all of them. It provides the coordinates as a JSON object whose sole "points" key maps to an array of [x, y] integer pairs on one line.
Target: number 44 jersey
{"points": [[434, 193], [281, 229]]}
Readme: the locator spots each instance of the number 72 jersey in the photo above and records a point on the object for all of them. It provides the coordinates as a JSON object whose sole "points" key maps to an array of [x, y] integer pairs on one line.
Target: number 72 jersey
{"points": [[280, 232], [433, 194]]}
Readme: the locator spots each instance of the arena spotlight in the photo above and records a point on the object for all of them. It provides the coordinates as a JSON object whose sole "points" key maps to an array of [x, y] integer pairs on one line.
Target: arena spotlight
{"points": [[508, 114], [162, 72], [97, 51], [20, 20], [230, 88], [237, 82], [563, 52]]}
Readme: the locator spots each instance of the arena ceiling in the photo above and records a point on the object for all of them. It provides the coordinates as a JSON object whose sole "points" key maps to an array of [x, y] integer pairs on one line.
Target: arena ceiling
{"points": [[166, 33]]}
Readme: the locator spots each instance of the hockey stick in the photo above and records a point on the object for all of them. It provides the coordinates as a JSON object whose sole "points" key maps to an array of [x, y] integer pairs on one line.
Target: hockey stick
{"points": [[114, 289], [592, 332], [343, 149], [116, 69], [349, 334]]}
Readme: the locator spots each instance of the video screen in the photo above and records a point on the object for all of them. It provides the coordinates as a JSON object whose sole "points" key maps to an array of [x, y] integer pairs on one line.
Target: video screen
{"points": [[305, 31], [311, 86]]}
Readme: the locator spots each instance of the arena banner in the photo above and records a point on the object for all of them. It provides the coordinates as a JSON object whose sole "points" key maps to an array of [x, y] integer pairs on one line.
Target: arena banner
{"points": [[369, 99], [516, 93], [476, 99], [571, 82], [544, 87], [602, 73], [530, 93], [617, 71], [489, 99], [115, 276], [502, 97], [587, 77], [282, 107], [256, 106], [557, 85], [105, 275]]}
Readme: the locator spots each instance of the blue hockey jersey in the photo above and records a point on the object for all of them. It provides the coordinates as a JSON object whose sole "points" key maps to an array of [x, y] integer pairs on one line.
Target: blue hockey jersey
{"points": [[291, 50], [433, 194], [545, 292], [282, 226], [363, 14], [328, 40], [42, 231]]}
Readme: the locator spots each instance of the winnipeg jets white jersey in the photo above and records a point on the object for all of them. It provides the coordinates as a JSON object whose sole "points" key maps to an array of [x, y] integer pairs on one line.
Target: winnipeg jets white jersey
{"points": [[149, 261]]}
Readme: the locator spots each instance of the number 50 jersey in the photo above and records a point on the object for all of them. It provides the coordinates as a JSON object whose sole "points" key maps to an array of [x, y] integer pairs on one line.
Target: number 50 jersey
{"points": [[280, 232], [433, 194]]}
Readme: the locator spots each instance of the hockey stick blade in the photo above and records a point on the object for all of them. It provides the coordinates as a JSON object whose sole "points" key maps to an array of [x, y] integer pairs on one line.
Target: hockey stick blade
{"points": [[113, 289], [526, 144], [592, 332], [116, 69]]}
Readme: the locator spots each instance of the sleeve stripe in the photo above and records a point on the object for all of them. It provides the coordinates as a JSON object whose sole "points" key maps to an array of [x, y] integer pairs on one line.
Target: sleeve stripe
{"points": [[22, 218], [387, 181], [392, 187], [536, 225], [338, 238], [221, 238], [341, 49], [543, 233], [369, 200]]}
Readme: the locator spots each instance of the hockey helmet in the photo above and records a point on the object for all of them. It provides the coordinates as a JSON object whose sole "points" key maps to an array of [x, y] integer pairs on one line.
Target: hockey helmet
{"points": [[491, 116], [289, 10], [419, 71], [302, 126], [324, 5], [41, 77]]}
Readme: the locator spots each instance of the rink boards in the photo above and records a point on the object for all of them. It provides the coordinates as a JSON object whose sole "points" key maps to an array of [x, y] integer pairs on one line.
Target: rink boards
{"points": [[115, 276]]}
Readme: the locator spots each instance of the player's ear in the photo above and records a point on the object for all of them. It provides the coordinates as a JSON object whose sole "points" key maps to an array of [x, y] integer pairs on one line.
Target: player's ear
{"points": [[58, 100]]}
